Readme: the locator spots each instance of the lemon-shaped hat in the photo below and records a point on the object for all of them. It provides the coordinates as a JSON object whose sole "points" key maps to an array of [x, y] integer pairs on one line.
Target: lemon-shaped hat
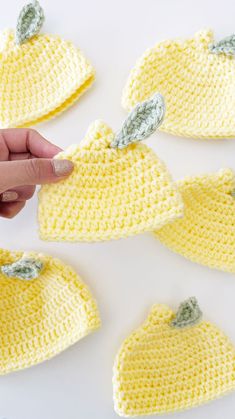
{"points": [[172, 362], [118, 187], [40, 75], [206, 233], [196, 78], [44, 308]]}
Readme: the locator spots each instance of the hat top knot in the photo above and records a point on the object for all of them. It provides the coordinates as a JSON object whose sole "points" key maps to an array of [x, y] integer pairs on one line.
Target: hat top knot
{"points": [[99, 136], [142, 121], [187, 315], [203, 38]]}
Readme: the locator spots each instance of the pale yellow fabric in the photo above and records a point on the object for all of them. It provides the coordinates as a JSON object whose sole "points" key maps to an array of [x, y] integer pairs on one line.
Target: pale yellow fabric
{"points": [[198, 87], [206, 233], [42, 317], [160, 369], [111, 193], [39, 79]]}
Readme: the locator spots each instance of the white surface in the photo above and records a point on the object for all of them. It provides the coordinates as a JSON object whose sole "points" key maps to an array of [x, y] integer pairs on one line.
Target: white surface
{"points": [[126, 276]]}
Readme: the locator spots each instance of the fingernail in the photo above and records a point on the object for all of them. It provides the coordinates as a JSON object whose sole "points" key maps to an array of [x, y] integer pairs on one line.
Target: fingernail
{"points": [[9, 196], [62, 167]]}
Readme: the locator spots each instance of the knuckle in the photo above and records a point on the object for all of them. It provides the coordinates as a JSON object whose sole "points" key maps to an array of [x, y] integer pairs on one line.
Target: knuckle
{"points": [[34, 169], [4, 153], [30, 132]]}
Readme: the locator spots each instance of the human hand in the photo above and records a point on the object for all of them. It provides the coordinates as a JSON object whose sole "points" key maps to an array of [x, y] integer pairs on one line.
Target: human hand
{"points": [[26, 161]]}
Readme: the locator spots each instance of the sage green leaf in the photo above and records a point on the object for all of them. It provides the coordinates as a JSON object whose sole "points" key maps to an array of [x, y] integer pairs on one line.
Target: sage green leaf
{"points": [[225, 46], [233, 193], [25, 268], [29, 22], [145, 118], [188, 314]]}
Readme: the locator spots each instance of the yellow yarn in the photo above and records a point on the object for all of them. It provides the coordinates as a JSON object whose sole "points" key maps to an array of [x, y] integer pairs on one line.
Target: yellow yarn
{"points": [[39, 79], [206, 233], [42, 317], [111, 193], [160, 369], [198, 87]]}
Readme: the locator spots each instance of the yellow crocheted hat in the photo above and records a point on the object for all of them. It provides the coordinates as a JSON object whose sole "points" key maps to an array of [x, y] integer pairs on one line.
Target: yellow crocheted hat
{"points": [[40, 75], [172, 363], [114, 191], [44, 308], [196, 77], [206, 233]]}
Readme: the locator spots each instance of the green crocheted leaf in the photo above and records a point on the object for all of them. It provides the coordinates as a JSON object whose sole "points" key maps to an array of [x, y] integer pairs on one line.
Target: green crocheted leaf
{"points": [[29, 22], [188, 314], [25, 268], [233, 193], [225, 46], [145, 118]]}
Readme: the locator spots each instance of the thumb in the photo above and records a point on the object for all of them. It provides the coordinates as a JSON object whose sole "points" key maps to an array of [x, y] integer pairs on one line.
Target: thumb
{"points": [[32, 172]]}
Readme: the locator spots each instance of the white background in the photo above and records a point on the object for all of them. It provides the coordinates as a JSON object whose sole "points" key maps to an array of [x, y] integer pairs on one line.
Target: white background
{"points": [[129, 275]]}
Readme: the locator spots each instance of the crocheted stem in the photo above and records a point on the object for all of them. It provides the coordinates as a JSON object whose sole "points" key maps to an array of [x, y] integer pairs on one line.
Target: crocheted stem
{"points": [[188, 314]]}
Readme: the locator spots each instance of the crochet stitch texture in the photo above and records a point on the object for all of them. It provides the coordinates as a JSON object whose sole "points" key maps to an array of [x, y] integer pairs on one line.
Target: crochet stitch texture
{"points": [[198, 86], [160, 369], [39, 79], [110, 194], [42, 317], [206, 233]]}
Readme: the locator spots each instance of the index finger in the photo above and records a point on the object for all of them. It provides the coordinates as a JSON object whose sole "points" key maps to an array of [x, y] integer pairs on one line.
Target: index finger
{"points": [[24, 140]]}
